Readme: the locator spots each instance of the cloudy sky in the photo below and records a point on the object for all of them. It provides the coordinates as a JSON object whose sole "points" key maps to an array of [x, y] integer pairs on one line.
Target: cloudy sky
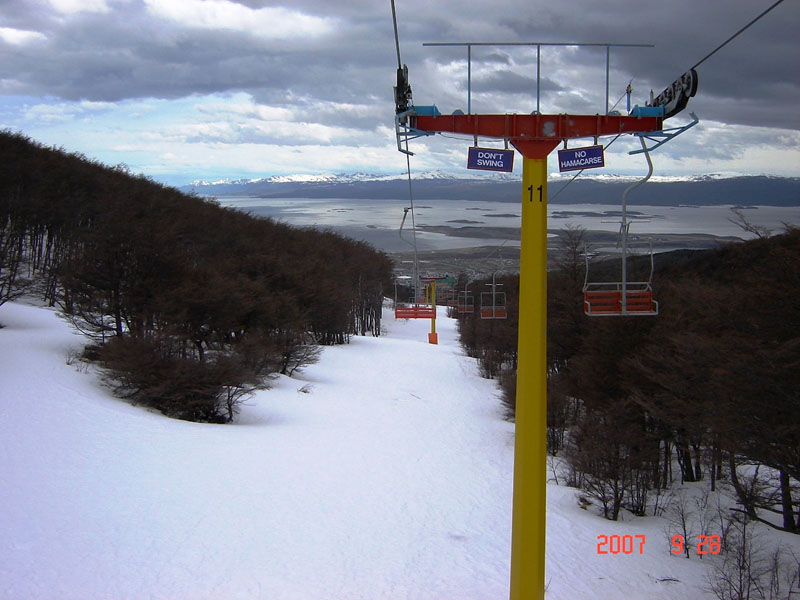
{"points": [[205, 89]]}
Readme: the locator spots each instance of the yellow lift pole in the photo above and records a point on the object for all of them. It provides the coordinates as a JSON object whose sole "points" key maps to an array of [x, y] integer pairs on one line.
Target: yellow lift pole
{"points": [[430, 299], [432, 337], [530, 446]]}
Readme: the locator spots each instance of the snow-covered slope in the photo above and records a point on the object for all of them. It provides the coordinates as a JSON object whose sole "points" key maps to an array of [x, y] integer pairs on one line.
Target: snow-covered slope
{"points": [[382, 472]]}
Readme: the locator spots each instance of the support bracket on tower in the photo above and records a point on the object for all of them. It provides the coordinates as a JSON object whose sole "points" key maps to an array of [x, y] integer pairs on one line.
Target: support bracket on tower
{"points": [[662, 136], [404, 132]]}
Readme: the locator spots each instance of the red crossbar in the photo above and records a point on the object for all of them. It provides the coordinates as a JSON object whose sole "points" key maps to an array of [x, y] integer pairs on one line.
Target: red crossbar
{"points": [[535, 136], [415, 312]]}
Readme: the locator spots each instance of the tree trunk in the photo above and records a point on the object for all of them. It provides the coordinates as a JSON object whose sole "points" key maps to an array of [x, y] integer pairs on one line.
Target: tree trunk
{"points": [[698, 465], [716, 464], [741, 493], [789, 523], [685, 462]]}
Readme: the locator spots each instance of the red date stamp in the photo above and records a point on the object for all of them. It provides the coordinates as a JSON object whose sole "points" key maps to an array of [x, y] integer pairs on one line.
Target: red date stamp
{"points": [[620, 544], [706, 544], [634, 544]]}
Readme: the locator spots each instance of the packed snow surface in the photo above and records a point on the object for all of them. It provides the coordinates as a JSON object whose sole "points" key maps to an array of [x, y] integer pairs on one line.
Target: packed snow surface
{"points": [[382, 472]]}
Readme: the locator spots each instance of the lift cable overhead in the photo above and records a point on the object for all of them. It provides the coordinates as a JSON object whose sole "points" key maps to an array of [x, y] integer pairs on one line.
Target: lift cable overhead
{"points": [[730, 39]]}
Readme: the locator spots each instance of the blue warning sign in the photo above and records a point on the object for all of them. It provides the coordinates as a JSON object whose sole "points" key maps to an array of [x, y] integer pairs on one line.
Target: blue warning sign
{"points": [[573, 159], [490, 159]]}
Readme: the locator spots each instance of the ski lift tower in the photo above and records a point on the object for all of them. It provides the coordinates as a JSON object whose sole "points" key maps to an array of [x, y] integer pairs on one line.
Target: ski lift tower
{"points": [[535, 136]]}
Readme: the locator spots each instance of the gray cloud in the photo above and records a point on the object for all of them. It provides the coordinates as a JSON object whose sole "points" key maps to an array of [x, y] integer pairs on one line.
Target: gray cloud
{"points": [[130, 53]]}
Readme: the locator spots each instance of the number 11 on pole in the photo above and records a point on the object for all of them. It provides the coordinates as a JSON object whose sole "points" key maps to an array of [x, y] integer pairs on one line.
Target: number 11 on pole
{"points": [[539, 189]]}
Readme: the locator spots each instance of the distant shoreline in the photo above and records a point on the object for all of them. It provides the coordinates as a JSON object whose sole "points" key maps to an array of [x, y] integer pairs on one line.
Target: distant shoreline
{"points": [[447, 224]]}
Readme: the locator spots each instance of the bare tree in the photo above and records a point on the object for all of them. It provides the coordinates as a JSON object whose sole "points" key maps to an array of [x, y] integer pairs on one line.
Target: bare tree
{"points": [[741, 221], [681, 519], [571, 246]]}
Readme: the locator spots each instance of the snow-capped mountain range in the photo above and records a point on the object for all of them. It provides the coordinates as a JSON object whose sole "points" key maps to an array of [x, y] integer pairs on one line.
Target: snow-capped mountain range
{"points": [[332, 178], [352, 178], [710, 189]]}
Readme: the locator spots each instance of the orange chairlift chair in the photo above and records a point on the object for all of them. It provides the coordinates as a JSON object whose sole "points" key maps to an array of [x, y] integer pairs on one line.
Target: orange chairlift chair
{"points": [[419, 308], [623, 297], [619, 298], [466, 303], [493, 303]]}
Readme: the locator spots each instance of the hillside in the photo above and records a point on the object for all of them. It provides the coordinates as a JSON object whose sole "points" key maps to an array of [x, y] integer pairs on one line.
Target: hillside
{"points": [[699, 191], [704, 395], [383, 471], [188, 305]]}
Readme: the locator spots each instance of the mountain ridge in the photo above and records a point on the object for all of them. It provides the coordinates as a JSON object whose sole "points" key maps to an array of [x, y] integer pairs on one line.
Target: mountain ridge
{"points": [[702, 190]]}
